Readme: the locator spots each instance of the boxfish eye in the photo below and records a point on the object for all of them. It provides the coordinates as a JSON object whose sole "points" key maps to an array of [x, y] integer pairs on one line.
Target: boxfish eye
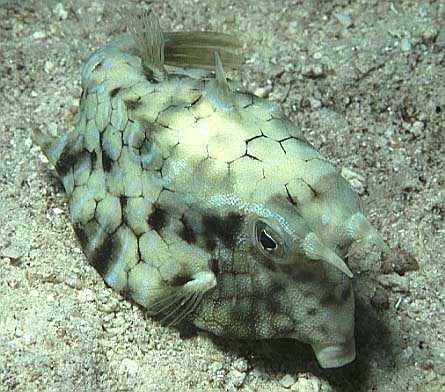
{"points": [[266, 241]]}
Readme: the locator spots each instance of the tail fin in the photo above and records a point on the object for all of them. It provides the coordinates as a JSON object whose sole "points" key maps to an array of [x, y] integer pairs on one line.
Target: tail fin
{"points": [[193, 49], [46, 144]]}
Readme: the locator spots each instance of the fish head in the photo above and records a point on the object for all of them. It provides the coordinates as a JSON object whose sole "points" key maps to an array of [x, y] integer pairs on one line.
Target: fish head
{"points": [[266, 288]]}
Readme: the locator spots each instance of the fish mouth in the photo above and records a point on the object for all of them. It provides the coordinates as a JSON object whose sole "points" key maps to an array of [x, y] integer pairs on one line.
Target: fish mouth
{"points": [[335, 355]]}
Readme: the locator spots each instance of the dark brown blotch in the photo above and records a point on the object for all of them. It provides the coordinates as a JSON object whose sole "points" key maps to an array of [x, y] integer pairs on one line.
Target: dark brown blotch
{"points": [[214, 266], [226, 229], [149, 128], [107, 162], [158, 218], [186, 232], [81, 235], [210, 244], [308, 272], [66, 161], [133, 105], [102, 255], [180, 280], [328, 299], [114, 92]]}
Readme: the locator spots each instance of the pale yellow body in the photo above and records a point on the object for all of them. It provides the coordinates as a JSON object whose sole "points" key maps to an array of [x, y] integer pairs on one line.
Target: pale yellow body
{"points": [[206, 203]]}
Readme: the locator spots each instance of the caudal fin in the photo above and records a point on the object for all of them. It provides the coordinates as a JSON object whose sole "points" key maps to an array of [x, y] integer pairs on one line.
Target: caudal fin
{"points": [[47, 144]]}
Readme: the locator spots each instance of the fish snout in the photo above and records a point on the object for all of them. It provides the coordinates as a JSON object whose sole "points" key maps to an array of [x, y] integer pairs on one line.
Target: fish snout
{"points": [[335, 355]]}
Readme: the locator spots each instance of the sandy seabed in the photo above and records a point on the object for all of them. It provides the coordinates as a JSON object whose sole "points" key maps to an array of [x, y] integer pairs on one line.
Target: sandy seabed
{"points": [[365, 80]]}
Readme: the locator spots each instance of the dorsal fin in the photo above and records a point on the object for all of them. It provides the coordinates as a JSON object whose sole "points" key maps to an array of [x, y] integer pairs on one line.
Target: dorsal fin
{"points": [[148, 35], [197, 48], [194, 49]]}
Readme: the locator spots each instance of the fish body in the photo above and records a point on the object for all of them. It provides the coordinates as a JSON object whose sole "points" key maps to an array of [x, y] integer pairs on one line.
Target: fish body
{"points": [[203, 202]]}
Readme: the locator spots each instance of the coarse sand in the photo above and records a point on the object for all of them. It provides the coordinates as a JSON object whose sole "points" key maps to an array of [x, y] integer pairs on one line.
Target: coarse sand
{"points": [[365, 80]]}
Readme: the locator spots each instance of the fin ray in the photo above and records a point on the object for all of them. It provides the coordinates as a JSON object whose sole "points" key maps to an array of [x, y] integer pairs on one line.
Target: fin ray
{"points": [[194, 49], [148, 35], [201, 38]]}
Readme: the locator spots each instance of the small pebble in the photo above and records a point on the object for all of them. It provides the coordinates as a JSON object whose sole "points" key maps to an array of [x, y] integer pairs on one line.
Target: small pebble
{"points": [[129, 366], [236, 378], [405, 45], [344, 20], [86, 295], [60, 11], [308, 383], [73, 282], [417, 128], [241, 364], [43, 158], [423, 12], [313, 70], [60, 332], [399, 261], [38, 35], [77, 250], [51, 128], [356, 180], [287, 381], [12, 252], [408, 353], [429, 34], [214, 367], [395, 282], [431, 376], [109, 307], [28, 142], [13, 284], [263, 92], [48, 67], [315, 103]]}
